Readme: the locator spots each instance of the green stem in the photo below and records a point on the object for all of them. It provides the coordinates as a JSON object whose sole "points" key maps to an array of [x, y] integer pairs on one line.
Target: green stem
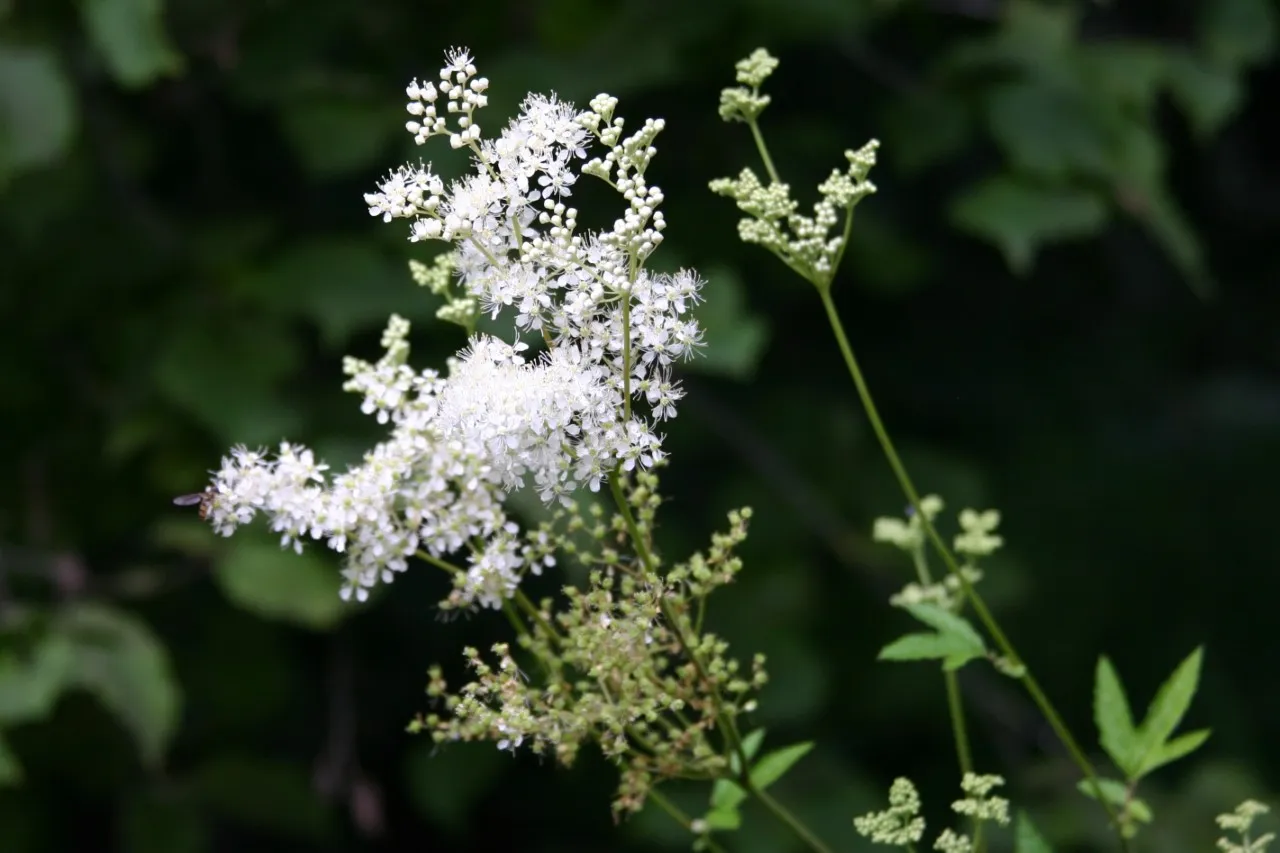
{"points": [[971, 595], [792, 822], [959, 732], [958, 729], [764, 151]]}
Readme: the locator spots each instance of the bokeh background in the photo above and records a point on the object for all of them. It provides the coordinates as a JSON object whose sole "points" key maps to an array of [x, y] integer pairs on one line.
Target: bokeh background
{"points": [[1064, 296]]}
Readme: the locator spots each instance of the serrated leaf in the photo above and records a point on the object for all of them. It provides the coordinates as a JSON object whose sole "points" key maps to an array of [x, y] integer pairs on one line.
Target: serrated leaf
{"points": [[131, 38], [10, 769], [1027, 838], [919, 647], [301, 589], [1171, 702], [1116, 732], [1019, 217], [31, 685], [947, 623], [771, 768], [37, 109], [1174, 749], [727, 794], [124, 665], [952, 650]]}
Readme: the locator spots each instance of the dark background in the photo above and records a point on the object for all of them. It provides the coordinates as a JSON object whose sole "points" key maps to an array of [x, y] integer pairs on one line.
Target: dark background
{"points": [[1064, 297]]}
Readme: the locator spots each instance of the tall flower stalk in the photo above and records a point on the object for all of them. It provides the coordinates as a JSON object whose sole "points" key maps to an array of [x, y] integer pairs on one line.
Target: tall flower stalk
{"points": [[806, 245]]}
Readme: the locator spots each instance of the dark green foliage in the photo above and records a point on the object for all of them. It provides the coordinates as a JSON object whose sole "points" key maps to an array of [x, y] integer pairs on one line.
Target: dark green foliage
{"points": [[1063, 294]]}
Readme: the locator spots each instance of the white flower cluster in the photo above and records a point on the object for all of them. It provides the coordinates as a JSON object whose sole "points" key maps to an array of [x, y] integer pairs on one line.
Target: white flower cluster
{"points": [[501, 420]]}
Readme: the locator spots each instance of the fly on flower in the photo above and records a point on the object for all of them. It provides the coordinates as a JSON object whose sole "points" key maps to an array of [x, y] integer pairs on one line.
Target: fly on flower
{"points": [[202, 499]]}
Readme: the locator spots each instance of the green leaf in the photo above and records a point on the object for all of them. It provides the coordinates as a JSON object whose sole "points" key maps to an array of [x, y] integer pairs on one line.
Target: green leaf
{"points": [[1174, 749], [10, 769], [1118, 795], [1208, 94], [750, 746], [131, 38], [1051, 132], [1027, 838], [227, 377], [723, 819], [1138, 153], [726, 795], [337, 134], [1139, 809], [262, 792], [30, 686], [771, 768], [125, 666], [444, 784], [1041, 30], [1124, 71], [950, 129], [1239, 32], [926, 647], [1113, 792], [343, 285], [752, 742], [1157, 210], [946, 622], [1117, 734], [735, 336], [37, 109], [1170, 706], [1019, 217], [301, 589]]}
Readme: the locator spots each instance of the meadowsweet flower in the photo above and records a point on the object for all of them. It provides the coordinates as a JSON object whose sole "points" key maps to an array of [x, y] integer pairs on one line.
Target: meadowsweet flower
{"points": [[504, 417], [1241, 822], [979, 538], [977, 802], [950, 841], [810, 245], [900, 825]]}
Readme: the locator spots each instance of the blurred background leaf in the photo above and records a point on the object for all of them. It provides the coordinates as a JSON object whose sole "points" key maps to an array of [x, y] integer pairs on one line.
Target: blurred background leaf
{"points": [[1063, 296]]}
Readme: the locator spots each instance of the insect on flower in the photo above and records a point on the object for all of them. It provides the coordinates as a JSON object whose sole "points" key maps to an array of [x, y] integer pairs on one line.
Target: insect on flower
{"points": [[202, 499]]}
